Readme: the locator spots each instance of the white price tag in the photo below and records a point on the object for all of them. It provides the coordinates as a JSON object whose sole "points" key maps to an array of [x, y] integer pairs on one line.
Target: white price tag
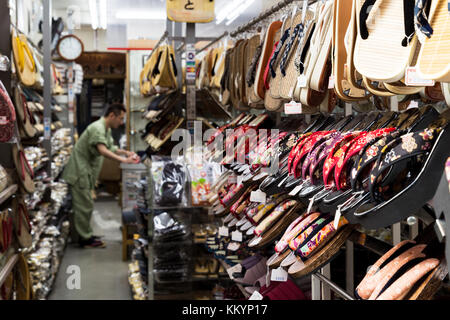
{"points": [[239, 180], [412, 78], [232, 179], [223, 232], [279, 274], [256, 296], [236, 236], [331, 82], [296, 190], [236, 268], [337, 216], [301, 81], [413, 104], [293, 108], [233, 246], [258, 196], [311, 203]]}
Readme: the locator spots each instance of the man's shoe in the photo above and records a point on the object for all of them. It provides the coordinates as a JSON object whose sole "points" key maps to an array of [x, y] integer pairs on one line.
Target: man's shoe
{"points": [[92, 243]]}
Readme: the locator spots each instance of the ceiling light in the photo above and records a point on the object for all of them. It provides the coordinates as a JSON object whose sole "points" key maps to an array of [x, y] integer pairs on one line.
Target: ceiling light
{"points": [[236, 13], [141, 15], [94, 14], [227, 10]]}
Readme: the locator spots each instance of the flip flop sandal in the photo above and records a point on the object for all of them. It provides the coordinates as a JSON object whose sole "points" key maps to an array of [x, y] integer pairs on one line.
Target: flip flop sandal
{"points": [[434, 60], [326, 251], [22, 279], [25, 117], [24, 59], [265, 56], [272, 232], [22, 225], [254, 52], [24, 171], [274, 63], [431, 140], [388, 25], [256, 216], [7, 116]]}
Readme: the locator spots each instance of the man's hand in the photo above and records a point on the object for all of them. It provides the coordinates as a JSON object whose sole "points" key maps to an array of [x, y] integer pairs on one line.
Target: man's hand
{"points": [[130, 159]]}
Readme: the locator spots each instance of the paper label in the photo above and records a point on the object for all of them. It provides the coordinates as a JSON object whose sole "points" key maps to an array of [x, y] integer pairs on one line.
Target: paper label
{"points": [[301, 81], [296, 190], [311, 203], [236, 236], [236, 268], [337, 216], [256, 296], [293, 108], [413, 104], [223, 232], [412, 78], [279, 275], [258, 196], [233, 246], [331, 82], [232, 179]]}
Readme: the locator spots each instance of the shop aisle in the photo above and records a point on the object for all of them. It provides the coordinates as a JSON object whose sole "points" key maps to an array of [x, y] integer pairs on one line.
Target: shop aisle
{"points": [[103, 273]]}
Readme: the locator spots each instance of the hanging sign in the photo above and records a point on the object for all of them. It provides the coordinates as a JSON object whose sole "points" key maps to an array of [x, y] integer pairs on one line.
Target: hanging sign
{"points": [[193, 11]]}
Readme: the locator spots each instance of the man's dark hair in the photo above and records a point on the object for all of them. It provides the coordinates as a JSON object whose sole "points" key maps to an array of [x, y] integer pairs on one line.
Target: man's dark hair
{"points": [[116, 108]]}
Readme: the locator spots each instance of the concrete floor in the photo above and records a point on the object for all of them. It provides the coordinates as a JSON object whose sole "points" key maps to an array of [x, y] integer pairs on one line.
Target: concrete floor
{"points": [[104, 276]]}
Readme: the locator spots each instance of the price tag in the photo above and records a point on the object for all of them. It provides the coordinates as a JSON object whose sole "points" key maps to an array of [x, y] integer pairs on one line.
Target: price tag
{"points": [[293, 108], [237, 268], [413, 104], [239, 180], [232, 179], [236, 236], [256, 296], [279, 274], [337, 216], [223, 232], [296, 190], [233, 246], [311, 203], [412, 78], [331, 82], [301, 81], [258, 196]]}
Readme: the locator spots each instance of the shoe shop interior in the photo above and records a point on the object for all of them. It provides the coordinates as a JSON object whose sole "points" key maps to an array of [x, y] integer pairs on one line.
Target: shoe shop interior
{"points": [[224, 150]]}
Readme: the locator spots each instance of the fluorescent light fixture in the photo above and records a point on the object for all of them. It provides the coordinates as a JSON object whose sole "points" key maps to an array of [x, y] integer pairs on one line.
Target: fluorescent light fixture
{"points": [[238, 11], [94, 14], [227, 10], [141, 15], [103, 14]]}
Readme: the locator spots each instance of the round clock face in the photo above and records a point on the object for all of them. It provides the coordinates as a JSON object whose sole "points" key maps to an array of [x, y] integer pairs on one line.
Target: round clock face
{"points": [[70, 47]]}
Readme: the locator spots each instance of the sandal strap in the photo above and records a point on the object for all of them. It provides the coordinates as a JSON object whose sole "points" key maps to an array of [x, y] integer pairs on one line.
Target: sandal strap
{"points": [[405, 147]]}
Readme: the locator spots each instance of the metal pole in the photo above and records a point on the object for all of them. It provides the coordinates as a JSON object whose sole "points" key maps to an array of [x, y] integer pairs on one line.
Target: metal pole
{"points": [[190, 82], [47, 40], [332, 285], [178, 33], [326, 271], [349, 266]]}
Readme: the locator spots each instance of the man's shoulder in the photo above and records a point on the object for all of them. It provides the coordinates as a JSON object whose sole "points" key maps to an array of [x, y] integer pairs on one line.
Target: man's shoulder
{"points": [[96, 126]]}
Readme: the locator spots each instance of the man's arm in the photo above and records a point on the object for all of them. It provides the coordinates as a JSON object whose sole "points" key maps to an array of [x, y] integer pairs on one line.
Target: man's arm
{"points": [[104, 151]]}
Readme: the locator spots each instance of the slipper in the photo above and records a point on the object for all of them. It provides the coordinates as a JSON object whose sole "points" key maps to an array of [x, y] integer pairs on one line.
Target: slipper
{"points": [[254, 273], [22, 224], [24, 115], [434, 57], [23, 59], [386, 33], [24, 171], [7, 116]]}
